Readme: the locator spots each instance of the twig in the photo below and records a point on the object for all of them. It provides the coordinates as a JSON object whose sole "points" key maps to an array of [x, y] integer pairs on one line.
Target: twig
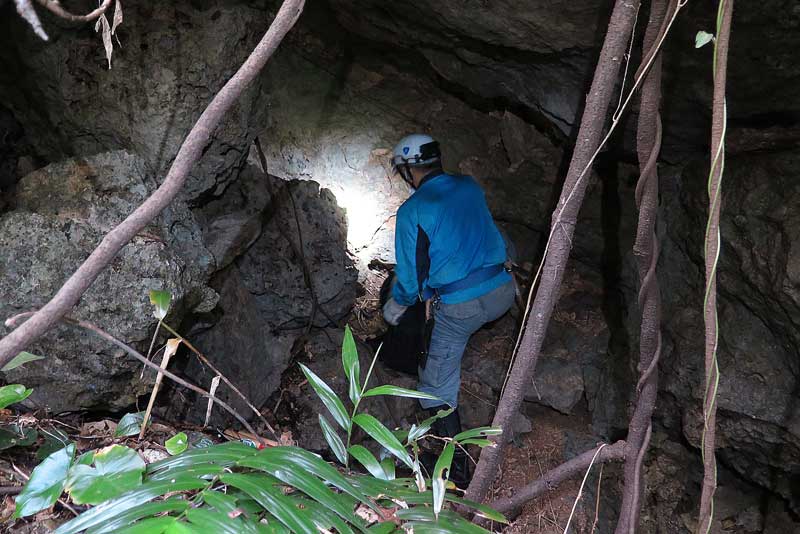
{"points": [[190, 152], [172, 348], [597, 500], [54, 6], [132, 352], [583, 483], [227, 382], [152, 344], [212, 390]]}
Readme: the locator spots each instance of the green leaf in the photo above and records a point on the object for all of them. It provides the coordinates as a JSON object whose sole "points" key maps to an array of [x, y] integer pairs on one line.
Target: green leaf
{"points": [[219, 523], [382, 435], [369, 462], [702, 38], [383, 528], [129, 425], [13, 393], [388, 467], [311, 463], [480, 509], [46, 483], [396, 391], [160, 301], [328, 398], [263, 490], [115, 507], [153, 525], [117, 469], [21, 359], [424, 427], [14, 435], [136, 513], [54, 439], [177, 443], [423, 520], [334, 441], [480, 432], [223, 455], [296, 476], [351, 365], [439, 480], [477, 441]]}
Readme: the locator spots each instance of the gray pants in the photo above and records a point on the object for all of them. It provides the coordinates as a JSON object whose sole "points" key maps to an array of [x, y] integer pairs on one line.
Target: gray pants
{"points": [[454, 325]]}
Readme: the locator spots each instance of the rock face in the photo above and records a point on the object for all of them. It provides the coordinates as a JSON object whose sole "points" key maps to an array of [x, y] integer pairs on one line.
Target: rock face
{"points": [[266, 302], [62, 212], [759, 284], [171, 64]]}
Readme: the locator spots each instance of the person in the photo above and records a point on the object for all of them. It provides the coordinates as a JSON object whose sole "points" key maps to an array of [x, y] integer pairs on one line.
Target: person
{"points": [[448, 251]]}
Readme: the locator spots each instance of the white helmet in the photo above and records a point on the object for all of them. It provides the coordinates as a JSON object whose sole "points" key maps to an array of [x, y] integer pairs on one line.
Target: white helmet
{"points": [[416, 150]]}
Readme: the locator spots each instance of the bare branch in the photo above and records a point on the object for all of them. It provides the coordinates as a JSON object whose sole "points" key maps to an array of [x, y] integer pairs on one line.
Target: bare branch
{"points": [[28, 12], [190, 152], [54, 6], [133, 352], [556, 476]]}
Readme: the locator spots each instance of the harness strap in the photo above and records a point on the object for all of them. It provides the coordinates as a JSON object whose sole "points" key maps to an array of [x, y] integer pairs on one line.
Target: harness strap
{"points": [[472, 279]]}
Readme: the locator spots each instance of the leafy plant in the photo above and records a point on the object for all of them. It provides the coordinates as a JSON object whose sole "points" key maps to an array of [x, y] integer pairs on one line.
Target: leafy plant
{"points": [[239, 489]]}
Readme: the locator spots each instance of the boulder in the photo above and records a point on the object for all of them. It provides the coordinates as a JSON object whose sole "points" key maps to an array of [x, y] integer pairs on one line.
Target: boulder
{"points": [[62, 212]]}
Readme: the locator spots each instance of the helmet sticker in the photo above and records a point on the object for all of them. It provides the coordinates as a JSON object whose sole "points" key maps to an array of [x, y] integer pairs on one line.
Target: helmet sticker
{"points": [[405, 150]]}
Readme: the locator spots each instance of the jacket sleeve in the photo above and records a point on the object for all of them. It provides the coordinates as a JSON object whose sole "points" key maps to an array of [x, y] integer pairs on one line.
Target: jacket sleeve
{"points": [[405, 291]]}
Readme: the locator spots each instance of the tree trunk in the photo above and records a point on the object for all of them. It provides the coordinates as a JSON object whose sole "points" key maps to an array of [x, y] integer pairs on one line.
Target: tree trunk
{"points": [[565, 216]]}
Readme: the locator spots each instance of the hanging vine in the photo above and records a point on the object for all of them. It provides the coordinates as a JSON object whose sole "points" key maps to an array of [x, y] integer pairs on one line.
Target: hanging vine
{"points": [[712, 250]]}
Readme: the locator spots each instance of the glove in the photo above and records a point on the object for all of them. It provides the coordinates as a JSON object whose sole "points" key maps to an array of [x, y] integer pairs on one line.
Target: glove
{"points": [[392, 312]]}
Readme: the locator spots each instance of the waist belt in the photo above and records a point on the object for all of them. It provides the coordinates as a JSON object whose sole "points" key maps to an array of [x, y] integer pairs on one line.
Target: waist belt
{"points": [[472, 279]]}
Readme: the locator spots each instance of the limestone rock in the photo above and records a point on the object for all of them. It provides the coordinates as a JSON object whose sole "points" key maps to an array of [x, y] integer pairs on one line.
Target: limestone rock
{"points": [[63, 211]]}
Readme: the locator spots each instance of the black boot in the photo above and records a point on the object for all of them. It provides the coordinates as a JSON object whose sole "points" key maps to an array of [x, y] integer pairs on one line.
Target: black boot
{"points": [[448, 427]]}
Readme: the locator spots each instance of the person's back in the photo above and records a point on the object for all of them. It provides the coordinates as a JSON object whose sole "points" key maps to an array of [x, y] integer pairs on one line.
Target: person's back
{"points": [[447, 220]]}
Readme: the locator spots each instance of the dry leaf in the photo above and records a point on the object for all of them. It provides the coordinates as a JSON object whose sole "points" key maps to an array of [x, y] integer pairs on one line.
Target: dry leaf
{"points": [[117, 18], [102, 428], [27, 12], [212, 391]]}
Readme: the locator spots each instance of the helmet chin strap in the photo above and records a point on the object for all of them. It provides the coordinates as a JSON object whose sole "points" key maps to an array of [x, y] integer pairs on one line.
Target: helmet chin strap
{"points": [[405, 172]]}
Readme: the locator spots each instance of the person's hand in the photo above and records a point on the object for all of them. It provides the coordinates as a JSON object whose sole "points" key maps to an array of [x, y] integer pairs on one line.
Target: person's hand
{"points": [[392, 312]]}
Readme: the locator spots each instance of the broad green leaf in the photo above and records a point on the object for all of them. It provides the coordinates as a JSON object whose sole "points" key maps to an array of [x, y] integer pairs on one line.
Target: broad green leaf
{"points": [[223, 502], [351, 365], [177, 443], [328, 398], [129, 425], [334, 441], [13, 393], [272, 498], [424, 427], [181, 528], [480, 432], [326, 520], [383, 435], [86, 458], [702, 38], [480, 509], [439, 480], [15, 436], [396, 391], [111, 509], [383, 528], [21, 359], [369, 462], [423, 520], [297, 477], [139, 512], [223, 455], [54, 439], [117, 469], [477, 441], [218, 523], [311, 463], [153, 525], [46, 483], [388, 467], [194, 471], [160, 301]]}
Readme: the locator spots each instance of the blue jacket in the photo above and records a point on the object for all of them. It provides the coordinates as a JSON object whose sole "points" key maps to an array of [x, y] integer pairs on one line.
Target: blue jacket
{"points": [[447, 215]]}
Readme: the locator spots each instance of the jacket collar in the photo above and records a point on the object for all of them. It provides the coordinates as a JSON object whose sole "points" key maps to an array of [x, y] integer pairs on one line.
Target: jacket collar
{"points": [[430, 176]]}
